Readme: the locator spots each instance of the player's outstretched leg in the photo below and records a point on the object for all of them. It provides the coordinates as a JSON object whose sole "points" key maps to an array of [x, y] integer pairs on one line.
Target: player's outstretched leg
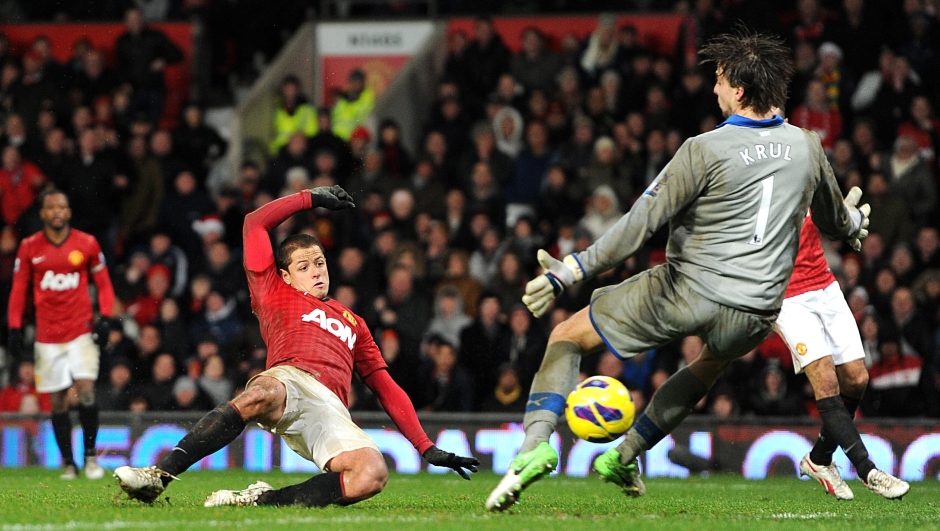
{"points": [[143, 483], [886, 485], [671, 403], [319, 491], [828, 476], [556, 377], [248, 496], [525, 469], [212, 433], [625, 476]]}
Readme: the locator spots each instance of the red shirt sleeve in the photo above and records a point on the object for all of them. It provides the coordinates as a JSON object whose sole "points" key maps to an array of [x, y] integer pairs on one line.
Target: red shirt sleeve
{"points": [[99, 273], [258, 252], [398, 406], [22, 273]]}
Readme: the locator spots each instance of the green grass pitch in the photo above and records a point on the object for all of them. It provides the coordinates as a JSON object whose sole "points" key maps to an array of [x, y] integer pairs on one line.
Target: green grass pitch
{"points": [[34, 499]]}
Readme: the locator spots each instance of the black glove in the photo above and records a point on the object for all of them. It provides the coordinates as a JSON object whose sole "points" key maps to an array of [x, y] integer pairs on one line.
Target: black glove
{"points": [[331, 197], [438, 457], [15, 344], [102, 331]]}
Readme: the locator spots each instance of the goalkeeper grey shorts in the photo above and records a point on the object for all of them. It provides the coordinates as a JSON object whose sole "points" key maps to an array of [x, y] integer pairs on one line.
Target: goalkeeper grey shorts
{"points": [[657, 306]]}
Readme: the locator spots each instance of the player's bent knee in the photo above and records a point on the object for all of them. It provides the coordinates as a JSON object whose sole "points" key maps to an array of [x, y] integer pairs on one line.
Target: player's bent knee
{"points": [[364, 473], [577, 329]]}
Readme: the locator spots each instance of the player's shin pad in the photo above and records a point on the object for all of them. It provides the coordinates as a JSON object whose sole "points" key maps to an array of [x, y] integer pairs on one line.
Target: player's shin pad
{"points": [[555, 379]]}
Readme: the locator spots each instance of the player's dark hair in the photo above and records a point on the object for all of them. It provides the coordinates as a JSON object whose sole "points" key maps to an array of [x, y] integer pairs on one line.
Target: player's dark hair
{"points": [[48, 191], [291, 244], [758, 63]]}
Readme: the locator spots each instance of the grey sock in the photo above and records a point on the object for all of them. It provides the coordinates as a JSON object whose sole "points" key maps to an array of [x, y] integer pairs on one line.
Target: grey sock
{"points": [[670, 404], [555, 379]]}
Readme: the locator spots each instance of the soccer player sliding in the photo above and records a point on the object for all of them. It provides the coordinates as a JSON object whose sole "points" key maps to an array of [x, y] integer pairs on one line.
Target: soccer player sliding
{"points": [[314, 345]]}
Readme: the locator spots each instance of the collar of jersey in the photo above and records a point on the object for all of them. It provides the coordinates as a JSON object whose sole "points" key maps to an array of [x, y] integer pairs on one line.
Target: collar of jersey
{"points": [[737, 119]]}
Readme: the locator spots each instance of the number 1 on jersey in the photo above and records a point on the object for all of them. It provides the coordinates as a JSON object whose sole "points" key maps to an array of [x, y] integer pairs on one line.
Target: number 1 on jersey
{"points": [[763, 211]]}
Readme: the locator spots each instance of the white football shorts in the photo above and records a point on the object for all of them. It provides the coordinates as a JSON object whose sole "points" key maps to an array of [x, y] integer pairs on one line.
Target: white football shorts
{"points": [[315, 423], [817, 324], [58, 365]]}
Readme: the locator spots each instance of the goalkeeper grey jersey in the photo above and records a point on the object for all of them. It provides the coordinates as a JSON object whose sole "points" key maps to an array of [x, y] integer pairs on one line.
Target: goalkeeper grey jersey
{"points": [[735, 199]]}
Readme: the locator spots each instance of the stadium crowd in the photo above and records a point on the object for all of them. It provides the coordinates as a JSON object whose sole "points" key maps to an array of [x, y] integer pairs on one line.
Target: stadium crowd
{"points": [[543, 148]]}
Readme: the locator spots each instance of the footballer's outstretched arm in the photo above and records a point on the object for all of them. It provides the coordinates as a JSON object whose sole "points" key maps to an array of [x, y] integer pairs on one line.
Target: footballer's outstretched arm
{"points": [[678, 184], [398, 406], [258, 252], [396, 403], [828, 209]]}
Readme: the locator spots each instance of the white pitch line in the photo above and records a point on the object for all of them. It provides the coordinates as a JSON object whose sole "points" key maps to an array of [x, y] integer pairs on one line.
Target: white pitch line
{"points": [[805, 516]]}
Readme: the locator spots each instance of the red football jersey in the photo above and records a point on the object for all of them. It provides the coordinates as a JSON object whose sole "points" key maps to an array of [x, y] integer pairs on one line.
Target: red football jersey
{"points": [[59, 275], [811, 271], [321, 337]]}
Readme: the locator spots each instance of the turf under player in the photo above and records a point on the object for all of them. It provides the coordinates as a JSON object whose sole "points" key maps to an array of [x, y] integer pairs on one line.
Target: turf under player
{"points": [[314, 345], [818, 327], [735, 199], [57, 261]]}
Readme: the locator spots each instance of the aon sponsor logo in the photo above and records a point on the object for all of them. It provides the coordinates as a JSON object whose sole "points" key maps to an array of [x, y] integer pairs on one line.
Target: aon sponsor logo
{"points": [[331, 325], [59, 282]]}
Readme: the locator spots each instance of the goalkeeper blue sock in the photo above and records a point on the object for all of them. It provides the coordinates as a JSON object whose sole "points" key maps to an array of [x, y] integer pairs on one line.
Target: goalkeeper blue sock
{"points": [[556, 377], [671, 403]]}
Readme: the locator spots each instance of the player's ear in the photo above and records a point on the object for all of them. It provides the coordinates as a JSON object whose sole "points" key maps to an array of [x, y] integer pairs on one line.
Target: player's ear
{"points": [[285, 274]]}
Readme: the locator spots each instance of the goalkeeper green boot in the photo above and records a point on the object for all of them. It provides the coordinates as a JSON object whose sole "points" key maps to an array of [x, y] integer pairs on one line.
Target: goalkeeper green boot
{"points": [[525, 469], [627, 477]]}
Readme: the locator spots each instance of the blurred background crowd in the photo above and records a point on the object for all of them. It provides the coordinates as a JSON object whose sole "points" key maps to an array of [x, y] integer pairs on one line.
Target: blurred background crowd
{"points": [[542, 148]]}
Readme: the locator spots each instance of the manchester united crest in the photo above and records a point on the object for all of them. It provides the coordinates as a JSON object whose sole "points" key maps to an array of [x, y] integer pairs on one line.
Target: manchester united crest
{"points": [[76, 258], [801, 348], [349, 317]]}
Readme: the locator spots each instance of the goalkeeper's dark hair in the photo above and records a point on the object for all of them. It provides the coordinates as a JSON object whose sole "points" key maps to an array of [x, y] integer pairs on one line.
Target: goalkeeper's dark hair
{"points": [[291, 244], [761, 64]]}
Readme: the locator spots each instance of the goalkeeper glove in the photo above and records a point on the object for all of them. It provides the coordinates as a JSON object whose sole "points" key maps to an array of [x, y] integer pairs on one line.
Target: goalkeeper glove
{"points": [[331, 197], [859, 218], [438, 457], [558, 275]]}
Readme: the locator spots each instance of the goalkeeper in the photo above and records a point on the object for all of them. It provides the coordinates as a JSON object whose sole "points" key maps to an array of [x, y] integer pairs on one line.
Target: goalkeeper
{"points": [[735, 199], [314, 345]]}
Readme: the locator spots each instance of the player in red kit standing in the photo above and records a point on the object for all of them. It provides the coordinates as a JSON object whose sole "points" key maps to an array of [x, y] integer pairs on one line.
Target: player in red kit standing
{"points": [[58, 261], [314, 345], [817, 325]]}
